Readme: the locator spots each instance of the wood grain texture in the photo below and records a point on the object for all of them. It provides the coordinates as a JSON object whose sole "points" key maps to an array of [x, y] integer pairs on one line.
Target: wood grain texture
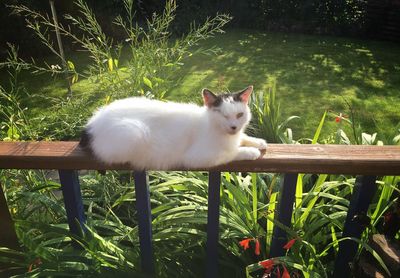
{"points": [[328, 159]]}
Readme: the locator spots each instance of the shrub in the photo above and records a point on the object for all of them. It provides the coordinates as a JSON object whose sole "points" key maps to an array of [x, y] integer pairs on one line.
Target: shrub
{"points": [[152, 57]]}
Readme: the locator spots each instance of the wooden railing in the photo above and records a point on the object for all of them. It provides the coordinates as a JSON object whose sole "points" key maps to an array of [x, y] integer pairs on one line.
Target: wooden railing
{"points": [[366, 161]]}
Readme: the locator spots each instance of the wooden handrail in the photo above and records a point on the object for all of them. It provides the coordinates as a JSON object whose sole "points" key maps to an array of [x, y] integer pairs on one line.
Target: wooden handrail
{"points": [[279, 158]]}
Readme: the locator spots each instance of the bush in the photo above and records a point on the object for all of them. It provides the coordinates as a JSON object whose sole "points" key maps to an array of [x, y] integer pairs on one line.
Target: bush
{"points": [[153, 56]]}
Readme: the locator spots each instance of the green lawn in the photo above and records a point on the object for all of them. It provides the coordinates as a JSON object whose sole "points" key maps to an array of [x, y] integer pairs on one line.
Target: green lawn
{"points": [[312, 73]]}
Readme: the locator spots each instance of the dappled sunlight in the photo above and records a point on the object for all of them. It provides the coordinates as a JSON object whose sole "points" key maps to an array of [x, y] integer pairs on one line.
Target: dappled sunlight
{"points": [[242, 60], [375, 83], [327, 62], [310, 71]]}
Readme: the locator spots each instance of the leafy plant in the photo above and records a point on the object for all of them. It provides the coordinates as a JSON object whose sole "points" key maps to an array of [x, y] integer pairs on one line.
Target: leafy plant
{"points": [[153, 56], [267, 116], [151, 53], [14, 123]]}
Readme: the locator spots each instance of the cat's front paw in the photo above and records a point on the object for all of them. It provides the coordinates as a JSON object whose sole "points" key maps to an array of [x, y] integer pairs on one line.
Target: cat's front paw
{"points": [[254, 154], [248, 153], [260, 144]]}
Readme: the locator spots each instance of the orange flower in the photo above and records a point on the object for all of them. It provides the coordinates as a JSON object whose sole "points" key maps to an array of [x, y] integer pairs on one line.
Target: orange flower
{"points": [[289, 244], [339, 118], [268, 265], [285, 273], [278, 272], [257, 248], [245, 243]]}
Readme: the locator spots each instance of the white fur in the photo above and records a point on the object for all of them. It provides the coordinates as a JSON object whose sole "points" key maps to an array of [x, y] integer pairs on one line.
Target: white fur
{"points": [[155, 135]]}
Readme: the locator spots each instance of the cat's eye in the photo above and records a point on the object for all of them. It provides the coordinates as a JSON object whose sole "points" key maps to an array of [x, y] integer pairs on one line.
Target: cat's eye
{"points": [[239, 115]]}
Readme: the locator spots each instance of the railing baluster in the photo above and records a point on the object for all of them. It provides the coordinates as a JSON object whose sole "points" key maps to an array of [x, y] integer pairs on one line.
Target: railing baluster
{"points": [[363, 192], [283, 214], [214, 185], [8, 237], [143, 208], [72, 200]]}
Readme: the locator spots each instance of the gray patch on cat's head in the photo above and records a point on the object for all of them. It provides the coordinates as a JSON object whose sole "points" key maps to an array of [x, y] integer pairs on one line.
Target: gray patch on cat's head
{"points": [[212, 100]]}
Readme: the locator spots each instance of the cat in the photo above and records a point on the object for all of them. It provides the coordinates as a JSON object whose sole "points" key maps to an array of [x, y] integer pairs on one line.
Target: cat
{"points": [[155, 135]]}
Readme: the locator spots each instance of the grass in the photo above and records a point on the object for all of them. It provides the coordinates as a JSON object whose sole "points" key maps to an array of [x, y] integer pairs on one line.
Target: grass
{"points": [[312, 73]]}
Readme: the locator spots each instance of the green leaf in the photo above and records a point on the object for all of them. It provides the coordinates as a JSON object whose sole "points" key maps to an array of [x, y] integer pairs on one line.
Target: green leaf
{"points": [[254, 195], [110, 64], [147, 82], [334, 239], [75, 78], [318, 131], [12, 133], [71, 65], [270, 223], [316, 191], [299, 190]]}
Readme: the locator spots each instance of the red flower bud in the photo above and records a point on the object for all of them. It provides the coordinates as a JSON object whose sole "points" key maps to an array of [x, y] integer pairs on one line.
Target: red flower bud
{"points": [[257, 248], [289, 244], [268, 265], [285, 273]]}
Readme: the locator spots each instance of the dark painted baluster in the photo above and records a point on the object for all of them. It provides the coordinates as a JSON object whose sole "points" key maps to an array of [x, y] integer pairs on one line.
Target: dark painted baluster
{"points": [[8, 237], [72, 200], [283, 214], [144, 221], [214, 184], [363, 192]]}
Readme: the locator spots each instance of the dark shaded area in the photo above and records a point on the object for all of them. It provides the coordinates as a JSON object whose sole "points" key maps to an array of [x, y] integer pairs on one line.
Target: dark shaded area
{"points": [[360, 18], [13, 27]]}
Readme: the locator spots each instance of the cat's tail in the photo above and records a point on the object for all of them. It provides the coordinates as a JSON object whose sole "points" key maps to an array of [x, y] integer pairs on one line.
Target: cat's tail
{"points": [[86, 140]]}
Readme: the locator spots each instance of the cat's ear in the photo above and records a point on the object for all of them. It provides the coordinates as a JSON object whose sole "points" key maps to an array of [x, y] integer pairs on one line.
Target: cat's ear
{"points": [[244, 95], [209, 98]]}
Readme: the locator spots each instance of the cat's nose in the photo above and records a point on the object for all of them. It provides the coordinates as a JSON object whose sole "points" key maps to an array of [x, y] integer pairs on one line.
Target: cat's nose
{"points": [[233, 127]]}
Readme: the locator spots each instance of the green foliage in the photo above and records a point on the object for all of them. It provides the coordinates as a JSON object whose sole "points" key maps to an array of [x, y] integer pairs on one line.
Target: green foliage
{"points": [[179, 209], [152, 58], [14, 122], [267, 116]]}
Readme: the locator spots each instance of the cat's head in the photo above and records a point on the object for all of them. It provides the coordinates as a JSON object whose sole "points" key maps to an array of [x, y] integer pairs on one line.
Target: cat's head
{"points": [[229, 111]]}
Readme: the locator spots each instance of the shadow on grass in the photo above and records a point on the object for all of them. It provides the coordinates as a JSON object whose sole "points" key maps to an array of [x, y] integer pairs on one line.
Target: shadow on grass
{"points": [[313, 73]]}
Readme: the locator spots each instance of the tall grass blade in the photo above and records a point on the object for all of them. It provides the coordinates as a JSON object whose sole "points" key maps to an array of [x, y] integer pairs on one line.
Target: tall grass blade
{"points": [[310, 205], [271, 214], [299, 190], [254, 195], [319, 128]]}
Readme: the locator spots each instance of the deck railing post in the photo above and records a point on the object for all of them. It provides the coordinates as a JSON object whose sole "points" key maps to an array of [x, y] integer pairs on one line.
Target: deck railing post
{"points": [[143, 208], [363, 192], [8, 237], [283, 214], [214, 185], [72, 200]]}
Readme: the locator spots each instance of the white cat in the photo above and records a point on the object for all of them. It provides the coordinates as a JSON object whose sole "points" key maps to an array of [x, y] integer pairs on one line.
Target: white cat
{"points": [[156, 135]]}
